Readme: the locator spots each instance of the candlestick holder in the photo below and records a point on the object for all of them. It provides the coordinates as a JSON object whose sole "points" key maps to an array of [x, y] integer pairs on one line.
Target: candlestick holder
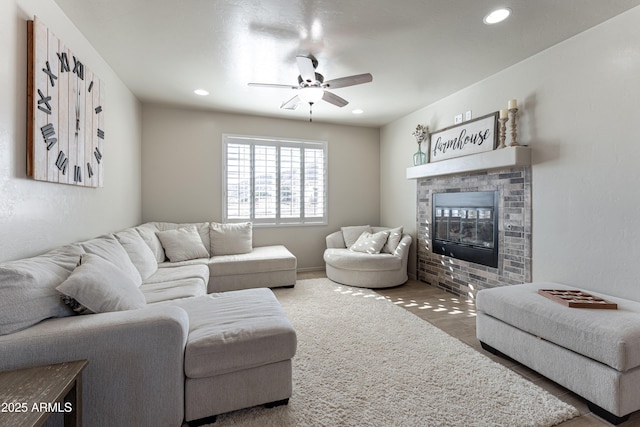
{"points": [[503, 131], [513, 112]]}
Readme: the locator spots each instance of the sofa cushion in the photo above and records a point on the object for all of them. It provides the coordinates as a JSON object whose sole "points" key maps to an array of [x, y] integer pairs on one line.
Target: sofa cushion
{"points": [[370, 243], [231, 239], [28, 288], [261, 260], [351, 234], [348, 260], [235, 330], [198, 261], [102, 287], [111, 250], [198, 271], [140, 253], [173, 289], [611, 337], [182, 244]]}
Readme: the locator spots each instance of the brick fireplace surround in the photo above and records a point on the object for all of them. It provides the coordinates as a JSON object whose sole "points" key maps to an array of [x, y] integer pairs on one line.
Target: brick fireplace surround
{"points": [[514, 232]]}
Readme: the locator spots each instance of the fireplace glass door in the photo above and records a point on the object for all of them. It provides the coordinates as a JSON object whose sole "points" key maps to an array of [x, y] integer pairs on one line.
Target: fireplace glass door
{"points": [[469, 226], [466, 225]]}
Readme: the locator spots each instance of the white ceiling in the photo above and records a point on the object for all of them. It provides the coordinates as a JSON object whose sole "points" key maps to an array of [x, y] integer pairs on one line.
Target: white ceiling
{"points": [[418, 51]]}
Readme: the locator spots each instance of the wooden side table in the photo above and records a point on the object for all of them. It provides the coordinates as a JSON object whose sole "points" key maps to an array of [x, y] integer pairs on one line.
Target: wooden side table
{"points": [[28, 396]]}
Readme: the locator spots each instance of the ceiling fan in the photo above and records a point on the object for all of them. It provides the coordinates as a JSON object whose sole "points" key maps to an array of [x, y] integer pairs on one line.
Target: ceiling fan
{"points": [[312, 87]]}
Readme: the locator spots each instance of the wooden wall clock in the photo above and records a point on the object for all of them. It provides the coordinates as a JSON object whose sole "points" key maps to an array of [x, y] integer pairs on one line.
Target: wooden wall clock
{"points": [[65, 113]]}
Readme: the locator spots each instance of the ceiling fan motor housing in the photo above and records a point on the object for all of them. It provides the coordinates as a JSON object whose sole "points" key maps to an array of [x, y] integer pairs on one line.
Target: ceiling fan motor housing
{"points": [[305, 83]]}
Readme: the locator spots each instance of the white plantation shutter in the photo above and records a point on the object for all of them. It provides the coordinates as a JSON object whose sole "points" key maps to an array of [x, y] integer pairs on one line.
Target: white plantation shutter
{"points": [[290, 182], [238, 180], [273, 181], [314, 170], [265, 181]]}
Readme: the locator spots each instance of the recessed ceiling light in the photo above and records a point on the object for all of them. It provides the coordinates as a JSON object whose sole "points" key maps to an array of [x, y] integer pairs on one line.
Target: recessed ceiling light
{"points": [[201, 92], [358, 111], [496, 16]]}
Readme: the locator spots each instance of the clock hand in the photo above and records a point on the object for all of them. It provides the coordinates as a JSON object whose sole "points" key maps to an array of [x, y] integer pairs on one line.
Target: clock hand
{"points": [[78, 114]]}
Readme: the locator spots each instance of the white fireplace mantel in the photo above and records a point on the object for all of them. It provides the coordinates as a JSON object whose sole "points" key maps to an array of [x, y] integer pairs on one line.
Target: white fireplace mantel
{"points": [[496, 159]]}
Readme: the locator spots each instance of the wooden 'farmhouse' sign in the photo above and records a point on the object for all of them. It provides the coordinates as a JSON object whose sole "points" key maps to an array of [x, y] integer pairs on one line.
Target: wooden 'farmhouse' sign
{"points": [[474, 136]]}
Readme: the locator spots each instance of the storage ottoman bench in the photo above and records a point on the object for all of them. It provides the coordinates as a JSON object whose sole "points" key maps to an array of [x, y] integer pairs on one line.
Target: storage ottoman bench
{"points": [[265, 266], [238, 353], [593, 352]]}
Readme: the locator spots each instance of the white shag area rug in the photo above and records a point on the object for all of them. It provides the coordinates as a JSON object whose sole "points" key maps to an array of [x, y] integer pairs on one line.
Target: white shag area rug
{"points": [[362, 361]]}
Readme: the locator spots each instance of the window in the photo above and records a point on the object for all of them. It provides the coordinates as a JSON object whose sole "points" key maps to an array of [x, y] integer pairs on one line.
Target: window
{"points": [[274, 181]]}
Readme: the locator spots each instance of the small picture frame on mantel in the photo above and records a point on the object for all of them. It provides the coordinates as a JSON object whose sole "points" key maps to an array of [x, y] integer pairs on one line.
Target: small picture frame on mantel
{"points": [[471, 137]]}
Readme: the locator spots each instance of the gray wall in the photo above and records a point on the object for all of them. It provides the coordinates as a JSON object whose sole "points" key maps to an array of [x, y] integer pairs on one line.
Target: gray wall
{"points": [[36, 216], [182, 172], [579, 105]]}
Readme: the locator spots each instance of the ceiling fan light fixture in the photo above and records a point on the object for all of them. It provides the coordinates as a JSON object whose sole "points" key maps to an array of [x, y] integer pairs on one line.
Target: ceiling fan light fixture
{"points": [[496, 16], [311, 94]]}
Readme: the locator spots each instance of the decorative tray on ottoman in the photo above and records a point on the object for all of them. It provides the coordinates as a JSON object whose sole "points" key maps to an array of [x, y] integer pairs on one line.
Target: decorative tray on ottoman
{"points": [[577, 299]]}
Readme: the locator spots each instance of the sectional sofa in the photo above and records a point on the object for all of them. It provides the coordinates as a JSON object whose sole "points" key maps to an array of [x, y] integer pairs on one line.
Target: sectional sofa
{"points": [[144, 306]]}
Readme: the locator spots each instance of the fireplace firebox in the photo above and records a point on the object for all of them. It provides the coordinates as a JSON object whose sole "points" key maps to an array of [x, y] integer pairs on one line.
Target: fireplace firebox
{"points": [[466, 226]]}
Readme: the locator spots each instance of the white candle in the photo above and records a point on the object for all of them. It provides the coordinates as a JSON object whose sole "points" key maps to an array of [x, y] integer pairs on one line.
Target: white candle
{"points": [[513, 103], [504, 114]]}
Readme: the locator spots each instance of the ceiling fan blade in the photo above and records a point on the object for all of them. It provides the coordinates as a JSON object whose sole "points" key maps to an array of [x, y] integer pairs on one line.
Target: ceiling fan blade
{"points": [[273, 85], [291, 104], [334, 99], [307, 71], [358, 79]]}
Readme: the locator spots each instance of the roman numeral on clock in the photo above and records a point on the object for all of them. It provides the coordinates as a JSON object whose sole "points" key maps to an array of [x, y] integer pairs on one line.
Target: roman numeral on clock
{"points": [[99, 109], [64, 62], [97, 154], [61, 162], [89, 170], [44, 100], [52, 76], [100, 134], [77, 174], [49, 133], [78, 68]]}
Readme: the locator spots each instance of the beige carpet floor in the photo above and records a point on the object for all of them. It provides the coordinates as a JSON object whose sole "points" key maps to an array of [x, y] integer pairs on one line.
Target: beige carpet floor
{"points": [[362, 361]]}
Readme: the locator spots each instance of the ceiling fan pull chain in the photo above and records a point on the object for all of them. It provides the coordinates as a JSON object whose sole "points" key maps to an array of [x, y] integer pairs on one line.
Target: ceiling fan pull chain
{"points": [[310, 112]]}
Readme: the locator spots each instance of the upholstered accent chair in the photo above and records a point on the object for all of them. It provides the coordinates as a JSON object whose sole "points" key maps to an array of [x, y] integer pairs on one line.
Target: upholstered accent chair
{"points": [[368, 257]]}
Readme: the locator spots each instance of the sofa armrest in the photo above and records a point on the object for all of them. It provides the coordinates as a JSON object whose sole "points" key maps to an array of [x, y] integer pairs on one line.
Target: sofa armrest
{"points": [[335, 240], [135, 374]]}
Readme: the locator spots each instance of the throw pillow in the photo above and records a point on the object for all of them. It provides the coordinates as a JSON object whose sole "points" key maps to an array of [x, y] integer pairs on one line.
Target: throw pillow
{"points": [[140, 253], [148, 233], [28, 288], [101, 287], [370, 243], [231, 239], [108, 248], [351, 234], [182, 244], [395, 234], [201, 227]]}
